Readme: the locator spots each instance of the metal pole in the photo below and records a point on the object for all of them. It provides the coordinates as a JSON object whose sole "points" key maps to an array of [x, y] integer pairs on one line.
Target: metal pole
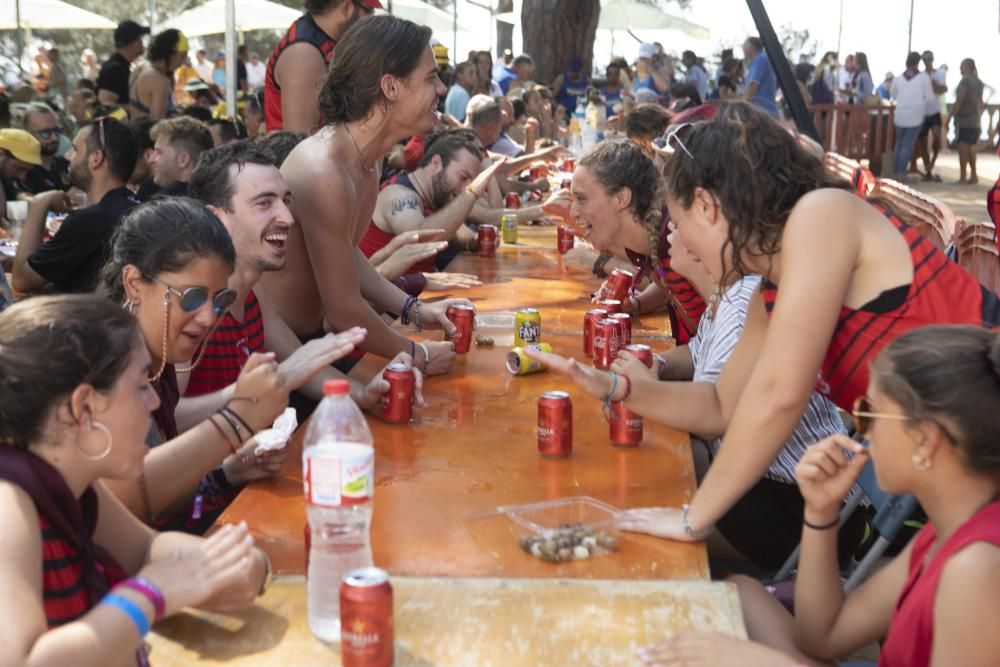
{"points": [[454, 29], [840, 26], [20, 39], [789, 87], [231, 58], [152, 16], [909, 33]]}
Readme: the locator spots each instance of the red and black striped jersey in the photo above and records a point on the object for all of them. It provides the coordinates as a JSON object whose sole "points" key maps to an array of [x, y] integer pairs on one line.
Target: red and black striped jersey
{"points": [[228, 349], [687, 306], [993, 206], [941, 293], [303, 30]]}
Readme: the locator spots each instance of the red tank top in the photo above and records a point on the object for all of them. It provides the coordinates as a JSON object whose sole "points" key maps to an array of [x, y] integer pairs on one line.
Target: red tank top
{"points": [[941, 293], [303, 30], [230, 346], [376, 238], [911, 631]]}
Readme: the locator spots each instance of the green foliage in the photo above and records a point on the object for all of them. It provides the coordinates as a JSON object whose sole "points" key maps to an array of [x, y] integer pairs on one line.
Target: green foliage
{"points": [[795, 42]]}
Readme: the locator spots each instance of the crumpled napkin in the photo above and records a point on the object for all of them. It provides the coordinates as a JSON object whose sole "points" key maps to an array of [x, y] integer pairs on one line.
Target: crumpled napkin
{"points": [[276, 437]]}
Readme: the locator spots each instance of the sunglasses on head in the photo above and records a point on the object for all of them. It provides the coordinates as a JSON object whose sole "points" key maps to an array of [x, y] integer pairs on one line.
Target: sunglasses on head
{"points": [[194, 298], [863, 417], [365, 8], [672, 138]]}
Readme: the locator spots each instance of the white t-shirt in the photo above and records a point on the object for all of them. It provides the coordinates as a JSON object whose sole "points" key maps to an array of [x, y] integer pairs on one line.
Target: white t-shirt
{"points": [[912, 98], [204, 70], [939, 77], [711, 348], [256, 74]]}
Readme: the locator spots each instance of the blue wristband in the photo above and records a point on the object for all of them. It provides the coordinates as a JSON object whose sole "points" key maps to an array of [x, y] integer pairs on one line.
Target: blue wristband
{"points": [[131, 609]]}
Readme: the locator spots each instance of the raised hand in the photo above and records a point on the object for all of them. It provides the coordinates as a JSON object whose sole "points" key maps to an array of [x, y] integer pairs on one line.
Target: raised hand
{"points": [[317, 354], [260, 394], [825, 475], [595, 382]]}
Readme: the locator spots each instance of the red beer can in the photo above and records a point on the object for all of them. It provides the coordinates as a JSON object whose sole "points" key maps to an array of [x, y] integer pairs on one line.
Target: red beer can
{"points": [[625, 321], [589, 320], [555, 424], [463, 317], [566, 184], [605, 343], [366, 619], [568, 165], [534, 196], [486, 241], [626, 427], [535, 173], [397, 403], [565, 239], [618, 285], [513, 200], [610, 305], [642, 353]]}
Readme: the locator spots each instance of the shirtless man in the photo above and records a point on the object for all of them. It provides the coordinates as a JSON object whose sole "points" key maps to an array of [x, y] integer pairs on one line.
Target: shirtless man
{"points": [[382, 87]]}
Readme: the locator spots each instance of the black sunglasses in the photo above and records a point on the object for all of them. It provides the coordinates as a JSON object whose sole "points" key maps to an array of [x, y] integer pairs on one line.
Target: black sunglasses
{"points": [[48, 133], [194, 298]]}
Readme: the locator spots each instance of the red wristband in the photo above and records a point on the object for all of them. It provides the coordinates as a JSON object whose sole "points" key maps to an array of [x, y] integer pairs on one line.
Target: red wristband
{"points": [[150, 591]]}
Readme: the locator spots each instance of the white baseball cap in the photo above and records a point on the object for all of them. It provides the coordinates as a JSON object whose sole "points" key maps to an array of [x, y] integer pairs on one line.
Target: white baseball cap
{"points": [[647, 50]]}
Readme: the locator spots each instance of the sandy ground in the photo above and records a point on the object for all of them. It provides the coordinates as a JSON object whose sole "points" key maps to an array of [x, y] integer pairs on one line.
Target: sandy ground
{"points": [[967, 201]]}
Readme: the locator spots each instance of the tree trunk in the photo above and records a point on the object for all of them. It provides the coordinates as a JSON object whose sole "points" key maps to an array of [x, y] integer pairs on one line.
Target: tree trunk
{"points": [[557, 30]]}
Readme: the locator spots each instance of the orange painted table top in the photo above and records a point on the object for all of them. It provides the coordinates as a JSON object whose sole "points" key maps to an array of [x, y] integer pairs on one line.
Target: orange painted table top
{"points": [[440, 479]]}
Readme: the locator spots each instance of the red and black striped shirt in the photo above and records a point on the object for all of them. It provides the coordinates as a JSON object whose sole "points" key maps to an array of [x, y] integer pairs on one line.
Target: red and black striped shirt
{"points": [[230, 346], [303, 30], [941, 293], [376, 238]]}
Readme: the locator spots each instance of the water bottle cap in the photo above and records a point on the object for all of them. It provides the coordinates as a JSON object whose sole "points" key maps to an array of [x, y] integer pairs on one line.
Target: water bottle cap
{"points": [[336, 387]]}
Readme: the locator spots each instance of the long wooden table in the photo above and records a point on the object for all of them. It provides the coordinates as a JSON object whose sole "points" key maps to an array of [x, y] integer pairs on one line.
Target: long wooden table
{"points": [[440, 479]]}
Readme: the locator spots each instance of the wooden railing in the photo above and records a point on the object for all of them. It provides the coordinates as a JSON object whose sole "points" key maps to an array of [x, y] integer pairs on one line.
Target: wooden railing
{"points": [[856, 131]]}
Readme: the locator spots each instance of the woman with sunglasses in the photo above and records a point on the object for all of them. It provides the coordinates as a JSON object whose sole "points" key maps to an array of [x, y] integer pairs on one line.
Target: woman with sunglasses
{"points": [[151, 89], [929, 416], [842, 278], [170, 267], [82, 578]]}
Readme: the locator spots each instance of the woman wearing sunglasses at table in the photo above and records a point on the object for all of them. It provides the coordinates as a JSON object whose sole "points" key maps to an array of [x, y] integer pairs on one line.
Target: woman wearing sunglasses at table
{"points": [[170, 265], [930, 417], [842, 279], [82, 578]]}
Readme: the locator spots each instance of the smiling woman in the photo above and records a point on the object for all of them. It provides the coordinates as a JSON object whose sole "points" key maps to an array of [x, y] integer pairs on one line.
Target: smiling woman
{"points": [[170, 265]]}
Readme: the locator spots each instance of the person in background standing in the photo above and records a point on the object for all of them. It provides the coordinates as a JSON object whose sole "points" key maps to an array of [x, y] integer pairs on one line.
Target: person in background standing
{"points": [[861, 81], [612, 91], [202, 66], [804, 69], [219, 71], [461, 91], [242, 55], [89, 67], [485, 85], [731, 80], [256, 71], [151, 90], [695, 74], [762, 85], [821, 88], [651, 74], [884, 89], [932, 119], [113, 79], [911, 92], [299, 63], [572, 85], [515, 77], [844, 90], [967, 112]]}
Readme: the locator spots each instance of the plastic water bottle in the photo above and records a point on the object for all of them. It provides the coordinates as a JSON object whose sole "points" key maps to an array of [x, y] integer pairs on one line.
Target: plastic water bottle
{"points": [[576, 130], [590, 126], [338, 471]]}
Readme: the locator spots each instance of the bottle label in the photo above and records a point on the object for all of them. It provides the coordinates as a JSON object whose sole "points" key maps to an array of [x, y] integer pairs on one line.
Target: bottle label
{"points": [[338, 474]]}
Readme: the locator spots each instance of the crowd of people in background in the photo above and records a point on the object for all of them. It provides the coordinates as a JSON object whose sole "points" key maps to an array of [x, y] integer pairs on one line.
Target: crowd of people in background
{"points": [[187, 271]]}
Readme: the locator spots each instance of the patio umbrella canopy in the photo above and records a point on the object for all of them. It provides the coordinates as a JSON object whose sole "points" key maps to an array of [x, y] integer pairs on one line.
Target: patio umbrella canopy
{"points": [[420, 12], [628, 15], [50, 15], [210, 18]]}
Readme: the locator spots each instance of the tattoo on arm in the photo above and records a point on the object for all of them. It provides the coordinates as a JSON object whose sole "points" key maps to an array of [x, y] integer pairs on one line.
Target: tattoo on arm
{"points": [[403, 203]]}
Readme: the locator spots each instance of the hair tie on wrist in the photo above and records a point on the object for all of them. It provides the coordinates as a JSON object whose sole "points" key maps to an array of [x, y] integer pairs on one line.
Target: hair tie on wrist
{"points": [[825, 526]]}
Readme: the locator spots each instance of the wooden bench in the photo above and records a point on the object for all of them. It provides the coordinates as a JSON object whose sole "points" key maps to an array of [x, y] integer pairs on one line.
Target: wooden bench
{"points": [[977, 252]]}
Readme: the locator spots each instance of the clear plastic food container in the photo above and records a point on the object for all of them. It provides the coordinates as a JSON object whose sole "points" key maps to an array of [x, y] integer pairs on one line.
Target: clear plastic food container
{"points": [[558, 531]]}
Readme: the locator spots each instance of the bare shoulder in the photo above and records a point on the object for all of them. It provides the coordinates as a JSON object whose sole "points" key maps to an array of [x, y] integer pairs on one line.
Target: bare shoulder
{"points": [[826, 212], [976, 565], [314, 169], [20, 518]]}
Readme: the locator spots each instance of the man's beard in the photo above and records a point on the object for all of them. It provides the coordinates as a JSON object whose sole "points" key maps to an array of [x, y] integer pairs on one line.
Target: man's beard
{"points": [[80, 177], [440, 194], [49, 151]]}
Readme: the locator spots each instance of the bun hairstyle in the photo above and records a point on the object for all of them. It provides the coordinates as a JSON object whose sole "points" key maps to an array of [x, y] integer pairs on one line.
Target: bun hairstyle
{"points": [[51, 345], [622, 164], [950, 373]]}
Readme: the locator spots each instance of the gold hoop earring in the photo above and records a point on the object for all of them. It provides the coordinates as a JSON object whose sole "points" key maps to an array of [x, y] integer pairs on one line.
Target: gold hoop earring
{"points": [[107, 450], [921, 462]]}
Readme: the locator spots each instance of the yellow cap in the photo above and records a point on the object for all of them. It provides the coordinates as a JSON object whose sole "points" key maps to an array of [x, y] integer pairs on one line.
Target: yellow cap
{"points": [[441, 54], [182, 43], [21, 145]]}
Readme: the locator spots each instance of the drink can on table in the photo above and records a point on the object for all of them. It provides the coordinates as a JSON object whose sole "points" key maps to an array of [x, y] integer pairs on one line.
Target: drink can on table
{"points": [[589, 320], [463, 317], [605, 343], [566, 184], [568, 165], [486, 241], [366, 619], [527, 327], [397, 403], [534, 196], [565, 239], [508, 224], [618, 285], [512, 200], [555, 424], [610, 305], [519, 363], [626, 427], [625, 322]]}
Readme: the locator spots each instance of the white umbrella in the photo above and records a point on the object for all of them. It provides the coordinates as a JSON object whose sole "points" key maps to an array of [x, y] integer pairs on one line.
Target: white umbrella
{"points": [[50, 15], [420, 12], [210, 18], [630, 15]]}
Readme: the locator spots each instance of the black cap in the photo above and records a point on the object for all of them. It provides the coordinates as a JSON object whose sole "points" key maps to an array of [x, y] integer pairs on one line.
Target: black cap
{"points": [[129, 31]]}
